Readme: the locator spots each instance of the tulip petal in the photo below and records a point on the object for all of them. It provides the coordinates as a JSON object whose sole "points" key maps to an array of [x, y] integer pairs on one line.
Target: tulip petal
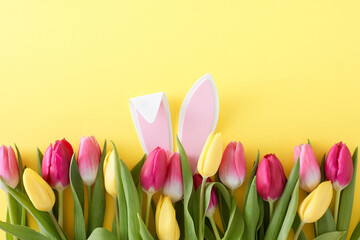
{"points": [[202, 158], [213, 156]]}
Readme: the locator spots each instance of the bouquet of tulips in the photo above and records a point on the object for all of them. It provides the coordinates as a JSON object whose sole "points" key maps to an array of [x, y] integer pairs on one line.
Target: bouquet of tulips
{"points": [[187, 202]]}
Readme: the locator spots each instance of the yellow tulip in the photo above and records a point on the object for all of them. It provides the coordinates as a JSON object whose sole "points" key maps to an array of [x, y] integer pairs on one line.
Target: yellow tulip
{"points": [[165, 220], [314, 206], [109, 174], [38, 190], [210, 157]]}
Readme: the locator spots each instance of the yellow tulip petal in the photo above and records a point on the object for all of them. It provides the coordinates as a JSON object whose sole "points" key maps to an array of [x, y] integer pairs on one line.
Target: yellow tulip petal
{"points": [[203, 154], [38, 190], [167, 227], [157, 214], [106, 161], [109, 176], [316, 203], [213, 156]]}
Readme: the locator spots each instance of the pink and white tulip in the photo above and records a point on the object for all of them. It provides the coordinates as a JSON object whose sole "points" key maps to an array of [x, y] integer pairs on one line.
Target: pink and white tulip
{"points": [[56, 164], [197, 178], [310, 175], [88, 159], [270, 178], [9, 169], [232, 169], [173, 186], [153, 172], [339, 166]]}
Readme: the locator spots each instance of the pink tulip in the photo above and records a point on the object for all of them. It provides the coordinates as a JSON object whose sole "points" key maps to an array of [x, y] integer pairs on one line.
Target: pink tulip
{"points": [[310, 175], [56, 164], [270, 178], [173, 185], [9, 169], [197, 178], [88, 159], [339, 166], [153, 173], [233, 165]]}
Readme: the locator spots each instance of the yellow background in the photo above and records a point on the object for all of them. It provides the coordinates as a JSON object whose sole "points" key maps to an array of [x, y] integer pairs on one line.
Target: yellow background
{"points": [[285, 71]]}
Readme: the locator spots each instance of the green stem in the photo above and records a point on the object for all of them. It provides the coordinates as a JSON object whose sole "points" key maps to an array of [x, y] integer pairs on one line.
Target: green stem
{"points": [[117, 218], [271, 208], [213, 224], [148, 203], [201, 214], [11, 212], [298, 231], [337, 202], [89, 198], [232, 192], [316, 228], [58, 228], [61, 208]]}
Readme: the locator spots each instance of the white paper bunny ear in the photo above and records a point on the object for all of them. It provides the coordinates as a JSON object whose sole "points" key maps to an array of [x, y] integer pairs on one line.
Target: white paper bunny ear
{"points": [[199, 114], [151, 115]]}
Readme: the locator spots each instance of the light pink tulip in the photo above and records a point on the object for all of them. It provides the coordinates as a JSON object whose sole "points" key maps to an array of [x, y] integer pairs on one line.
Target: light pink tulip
{"points": [[173, 185], [153, 172], [9, 169], [56, 164], [339, 166], [197, 178], [233, 165], [270, 178], [88, 159], [310, 175]]}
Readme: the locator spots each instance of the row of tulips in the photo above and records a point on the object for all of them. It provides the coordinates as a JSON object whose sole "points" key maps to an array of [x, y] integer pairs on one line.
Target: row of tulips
{"points": [[187, 202]]}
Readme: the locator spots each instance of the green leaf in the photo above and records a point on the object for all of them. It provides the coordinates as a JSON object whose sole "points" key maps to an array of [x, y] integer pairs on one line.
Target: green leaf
{"points": [[22, 232], [290, 214], [77, 189], [295, 226], [223, 209], [331, 236], [132, 204], [39, 160], [144, 232], [251, 212], [98, 200], [236, 226], [346, 200], [251, 177], [356, 233], [21, 214], [309, 143], [8, 235], [135, 172], [190, 232], [326, 223], [179, 210], [280, 210], [41, 217], [101, 234]]}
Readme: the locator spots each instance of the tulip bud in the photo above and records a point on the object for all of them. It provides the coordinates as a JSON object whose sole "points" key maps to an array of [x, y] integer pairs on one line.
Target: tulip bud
{"points": [[270, 178], [153, 172], [314, 206], [210, 156], [56, 164], [173, 186], [39, 192], [339, 166], [9, 169], [109, 174], [197, 178], [233, 165], [310, 175], [167, 227], [88, 159]]}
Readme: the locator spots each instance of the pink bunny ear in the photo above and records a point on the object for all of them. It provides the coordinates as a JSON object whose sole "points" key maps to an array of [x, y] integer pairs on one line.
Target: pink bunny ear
{"points": [[199, 114], [151, 116]]}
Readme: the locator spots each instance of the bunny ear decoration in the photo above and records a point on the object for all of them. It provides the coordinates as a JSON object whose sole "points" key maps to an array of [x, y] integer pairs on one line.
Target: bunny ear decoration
{"points": [[199, 114], [151, 116]]}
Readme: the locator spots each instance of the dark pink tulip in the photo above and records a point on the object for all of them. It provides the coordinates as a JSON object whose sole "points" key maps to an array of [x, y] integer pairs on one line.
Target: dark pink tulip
{"points": [[232, 169], [270, 178], [197, 178], [88, 159], [56, 164], [9, 169], [339, 166], [153, 173], [310, 175], [173, 185]]}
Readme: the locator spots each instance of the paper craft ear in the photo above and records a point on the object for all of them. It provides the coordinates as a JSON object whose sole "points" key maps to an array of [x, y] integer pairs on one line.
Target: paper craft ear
{"points": [[199, 114], [151, 116]]}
